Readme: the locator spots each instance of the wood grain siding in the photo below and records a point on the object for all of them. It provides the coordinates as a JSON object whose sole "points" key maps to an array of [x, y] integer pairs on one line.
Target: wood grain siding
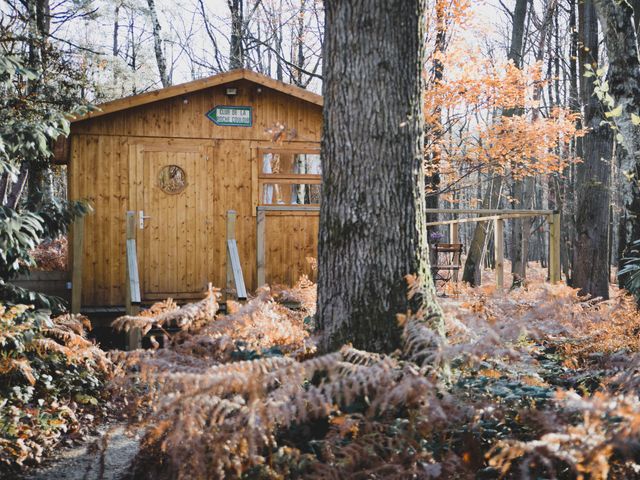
{"points": [[114, 163], [99, 174], [291, 238], [175, 118]]}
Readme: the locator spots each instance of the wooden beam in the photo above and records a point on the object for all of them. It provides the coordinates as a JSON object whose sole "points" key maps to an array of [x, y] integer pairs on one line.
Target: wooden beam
{"points": [[498, 236], [554, 247], [306, 179], [487, 211], [285, 213], [260, 246], [78, 255], [132, 302], [288, 208], [486, 218]]}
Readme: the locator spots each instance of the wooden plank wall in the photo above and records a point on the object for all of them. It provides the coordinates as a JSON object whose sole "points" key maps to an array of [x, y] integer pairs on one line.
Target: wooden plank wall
{"points": [[105, 153], [176, 119], [291, 238], [99, 174]]}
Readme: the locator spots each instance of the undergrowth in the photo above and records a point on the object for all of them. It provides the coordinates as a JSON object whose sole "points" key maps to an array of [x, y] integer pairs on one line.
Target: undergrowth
{"points": [[51, 383], [543, 384]]}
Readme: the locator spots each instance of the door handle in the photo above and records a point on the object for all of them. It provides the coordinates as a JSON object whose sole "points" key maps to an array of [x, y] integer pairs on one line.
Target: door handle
{"points": [[142, 217]]}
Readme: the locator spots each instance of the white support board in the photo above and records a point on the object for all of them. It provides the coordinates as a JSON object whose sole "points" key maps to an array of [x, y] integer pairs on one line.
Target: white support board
{"points": [[238, 278], [132, 265]]}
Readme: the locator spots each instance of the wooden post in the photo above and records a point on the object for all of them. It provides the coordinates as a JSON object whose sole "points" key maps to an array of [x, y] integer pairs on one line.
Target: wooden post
{"points": [[498, 236], [453, 233], [78, 255], [554, 247], [132, 306], [260, 247], [454, 238], [231, 235]]}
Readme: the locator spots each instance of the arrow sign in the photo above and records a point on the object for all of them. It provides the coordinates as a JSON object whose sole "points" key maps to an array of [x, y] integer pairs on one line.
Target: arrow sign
{"points": [[231, 116]]}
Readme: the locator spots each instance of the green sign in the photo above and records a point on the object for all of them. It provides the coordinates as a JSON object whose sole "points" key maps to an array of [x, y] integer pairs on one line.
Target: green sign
{"points": [[228, 116]]}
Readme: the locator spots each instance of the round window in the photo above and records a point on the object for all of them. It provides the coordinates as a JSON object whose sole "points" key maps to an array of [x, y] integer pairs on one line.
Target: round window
{"points": [[172, 179]]}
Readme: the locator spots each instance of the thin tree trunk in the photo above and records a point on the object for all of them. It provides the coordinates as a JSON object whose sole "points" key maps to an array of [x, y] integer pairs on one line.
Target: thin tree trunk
{"points": [[524, 188], [372, 217], [157, 44], [297, 79], [473, 264], [116, 26], [590, 272], [472, 273], [236, 50], [434, 130], [14, 190]]}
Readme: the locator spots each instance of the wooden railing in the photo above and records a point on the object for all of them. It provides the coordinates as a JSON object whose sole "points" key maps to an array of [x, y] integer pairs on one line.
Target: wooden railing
{"points": [[498, 217]]}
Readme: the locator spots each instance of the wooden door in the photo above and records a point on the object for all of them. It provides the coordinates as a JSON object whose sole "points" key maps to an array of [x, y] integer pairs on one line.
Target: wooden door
{"points": [[174, 200]]}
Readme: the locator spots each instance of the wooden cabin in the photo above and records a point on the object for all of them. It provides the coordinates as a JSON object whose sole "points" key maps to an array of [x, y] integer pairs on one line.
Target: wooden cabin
{"points": [[180, 159]]}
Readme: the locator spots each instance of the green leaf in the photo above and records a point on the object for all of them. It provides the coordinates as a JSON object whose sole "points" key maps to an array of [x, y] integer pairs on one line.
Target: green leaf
{"points": [[616, 112]]}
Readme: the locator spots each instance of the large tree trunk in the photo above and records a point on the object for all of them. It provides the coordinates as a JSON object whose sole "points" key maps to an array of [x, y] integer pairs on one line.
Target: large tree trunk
{"points": [[372, 215], [590, 270], [157, 44], [618, 28], [473, 264]]}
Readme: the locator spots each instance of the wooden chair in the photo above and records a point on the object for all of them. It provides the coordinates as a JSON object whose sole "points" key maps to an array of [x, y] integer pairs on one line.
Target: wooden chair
{"points": [[447, 264]]}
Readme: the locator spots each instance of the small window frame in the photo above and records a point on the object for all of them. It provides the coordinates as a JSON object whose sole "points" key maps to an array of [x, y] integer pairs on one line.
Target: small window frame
{"points": [[265, 179]]}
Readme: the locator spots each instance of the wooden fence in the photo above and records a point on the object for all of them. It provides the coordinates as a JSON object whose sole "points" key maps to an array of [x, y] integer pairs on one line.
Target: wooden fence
{"points": [[498, 217]]}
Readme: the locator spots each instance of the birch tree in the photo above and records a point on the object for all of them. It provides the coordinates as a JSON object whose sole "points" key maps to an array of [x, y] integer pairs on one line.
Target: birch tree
{"points": [[157, 44]]}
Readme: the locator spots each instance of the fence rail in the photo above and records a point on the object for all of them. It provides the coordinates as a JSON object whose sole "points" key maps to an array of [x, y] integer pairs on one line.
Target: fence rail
{"points": [[498, 217]]}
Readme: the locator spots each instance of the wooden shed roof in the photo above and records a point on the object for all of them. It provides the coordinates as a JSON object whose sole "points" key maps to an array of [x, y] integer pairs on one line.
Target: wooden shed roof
{"points": [[200, 84]]}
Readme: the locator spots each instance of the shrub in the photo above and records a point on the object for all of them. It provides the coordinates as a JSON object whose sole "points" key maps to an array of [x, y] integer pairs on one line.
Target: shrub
{"points": [[51, 381]]}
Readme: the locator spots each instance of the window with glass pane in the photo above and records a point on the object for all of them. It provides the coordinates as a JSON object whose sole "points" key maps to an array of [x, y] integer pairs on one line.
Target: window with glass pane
{"points": [[288, 163], [290, 178]]}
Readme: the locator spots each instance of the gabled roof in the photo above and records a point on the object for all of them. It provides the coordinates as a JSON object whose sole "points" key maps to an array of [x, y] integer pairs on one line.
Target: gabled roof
{"points": [[201, 84]]}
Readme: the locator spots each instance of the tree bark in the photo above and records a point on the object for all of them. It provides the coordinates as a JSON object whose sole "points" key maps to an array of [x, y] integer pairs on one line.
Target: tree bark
{"points": [[434, 157], [590, 272], [618, 28], [157, 44], [236, 50], [372, 214], [13, 191]]}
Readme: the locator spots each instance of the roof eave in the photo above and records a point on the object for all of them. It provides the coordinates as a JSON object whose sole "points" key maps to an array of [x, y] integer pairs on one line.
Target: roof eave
{"points": [[196, 85]]}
